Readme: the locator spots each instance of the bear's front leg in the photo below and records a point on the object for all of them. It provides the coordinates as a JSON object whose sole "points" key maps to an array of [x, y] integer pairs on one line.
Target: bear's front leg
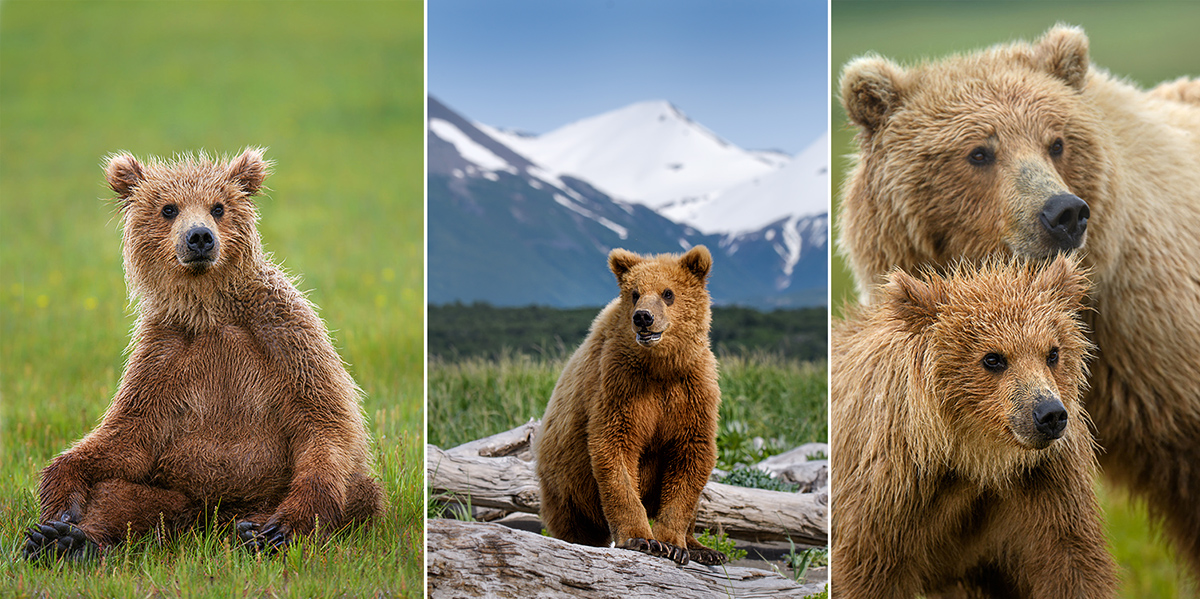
{"points": [[315, 501], [615, 448], [684, 473], [1060, 544]]}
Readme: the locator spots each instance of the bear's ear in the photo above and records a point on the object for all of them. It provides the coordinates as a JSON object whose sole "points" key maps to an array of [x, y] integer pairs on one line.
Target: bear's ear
{"points": [[124, 174], [1064, 278], [870, 89], [249, 170], [1063, 52], [912, 301], [620, 261], [697, 261]]}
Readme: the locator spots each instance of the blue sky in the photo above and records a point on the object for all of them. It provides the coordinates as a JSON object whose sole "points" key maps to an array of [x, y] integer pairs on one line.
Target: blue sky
{"points": [[753, 71]]}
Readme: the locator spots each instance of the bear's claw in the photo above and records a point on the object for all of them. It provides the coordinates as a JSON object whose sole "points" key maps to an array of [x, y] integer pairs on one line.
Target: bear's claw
{"points": [[56, 539], [273, 537], [708, 557], [658, 548]]}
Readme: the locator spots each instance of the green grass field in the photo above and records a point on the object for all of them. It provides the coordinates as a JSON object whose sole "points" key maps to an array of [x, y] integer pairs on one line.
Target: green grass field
{"points": [[335, 90], [476, 397], [1146, 41]]}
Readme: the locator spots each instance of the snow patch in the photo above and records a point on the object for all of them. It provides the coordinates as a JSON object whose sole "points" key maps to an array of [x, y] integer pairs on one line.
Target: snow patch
{"points": [[621, 232], [468, 148]]}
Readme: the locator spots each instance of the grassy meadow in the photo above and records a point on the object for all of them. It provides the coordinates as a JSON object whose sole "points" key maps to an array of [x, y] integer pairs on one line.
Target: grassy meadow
{"points": [[1148, 42], [335, 91], [475, 397]]}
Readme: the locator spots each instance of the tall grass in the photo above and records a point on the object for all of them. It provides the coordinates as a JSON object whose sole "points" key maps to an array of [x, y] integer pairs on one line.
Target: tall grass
{"points": [[475, 397], [335, 91]]}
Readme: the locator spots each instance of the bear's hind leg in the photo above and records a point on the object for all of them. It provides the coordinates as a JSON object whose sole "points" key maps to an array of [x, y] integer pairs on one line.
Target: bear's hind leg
{"points": [[115, 509], [364, 500]]}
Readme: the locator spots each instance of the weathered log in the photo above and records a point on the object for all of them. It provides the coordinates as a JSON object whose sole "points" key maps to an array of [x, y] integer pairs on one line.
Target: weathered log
{"points": [[475, 559], [511, 483]]}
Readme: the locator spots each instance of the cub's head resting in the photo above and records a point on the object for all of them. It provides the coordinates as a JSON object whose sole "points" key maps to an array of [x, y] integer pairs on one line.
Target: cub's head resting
{"points": [[663, 297]]}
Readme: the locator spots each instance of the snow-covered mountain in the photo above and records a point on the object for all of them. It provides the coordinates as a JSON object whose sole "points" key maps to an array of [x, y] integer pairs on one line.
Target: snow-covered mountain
{"points": [[800, 187], [507, 229], [647, 153]]}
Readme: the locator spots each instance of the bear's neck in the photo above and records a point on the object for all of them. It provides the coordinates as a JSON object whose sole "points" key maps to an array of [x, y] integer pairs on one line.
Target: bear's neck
{"points": [[200, 303]]}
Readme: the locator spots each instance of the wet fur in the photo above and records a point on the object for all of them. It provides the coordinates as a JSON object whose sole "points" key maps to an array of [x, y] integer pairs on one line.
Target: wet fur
{"points": [[630, 431], [935, 492], [232, 397], [1132, 155]]}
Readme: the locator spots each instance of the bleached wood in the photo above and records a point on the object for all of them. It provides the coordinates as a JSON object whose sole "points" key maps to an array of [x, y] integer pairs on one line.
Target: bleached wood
{"points": [[510, 483], [476, 559]]}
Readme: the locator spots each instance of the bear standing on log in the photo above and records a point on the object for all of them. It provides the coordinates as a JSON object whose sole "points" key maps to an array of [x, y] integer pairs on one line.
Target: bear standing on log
{"points": [[233, 396], [630, 431], [1027, 149]]}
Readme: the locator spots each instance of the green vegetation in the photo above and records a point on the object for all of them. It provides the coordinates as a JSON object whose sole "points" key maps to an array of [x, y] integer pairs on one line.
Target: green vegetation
{"points": [[476, 397], [334, 90], [757, 479], [461, 331], [800, 561], [1147, 41], [721, 542]]}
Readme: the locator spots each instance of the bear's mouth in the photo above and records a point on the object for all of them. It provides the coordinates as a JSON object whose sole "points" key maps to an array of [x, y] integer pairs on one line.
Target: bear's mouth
{"points": [[648, 338], [196, 263]]}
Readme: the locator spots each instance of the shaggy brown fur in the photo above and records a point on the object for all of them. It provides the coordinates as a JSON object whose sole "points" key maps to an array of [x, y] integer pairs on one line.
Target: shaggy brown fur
{"points": [[915, 198], [233, 395], [630, 432], [943, 481]]}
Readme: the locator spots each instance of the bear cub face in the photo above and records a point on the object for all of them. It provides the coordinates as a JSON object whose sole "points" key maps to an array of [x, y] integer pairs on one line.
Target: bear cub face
{"points": [[660, 301], [1010, 354], [191, 218]]}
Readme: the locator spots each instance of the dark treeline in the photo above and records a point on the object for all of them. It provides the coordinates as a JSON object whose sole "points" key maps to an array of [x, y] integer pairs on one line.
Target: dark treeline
{"points": [[470, 330]]}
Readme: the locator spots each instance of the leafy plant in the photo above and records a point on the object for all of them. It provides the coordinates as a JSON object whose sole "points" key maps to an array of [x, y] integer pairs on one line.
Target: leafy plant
{"points": [[721, 542], [754, 478], [736, 446], [822, 595], [800, 561]]}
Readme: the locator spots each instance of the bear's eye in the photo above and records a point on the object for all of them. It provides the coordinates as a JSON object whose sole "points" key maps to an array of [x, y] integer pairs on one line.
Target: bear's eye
{"points": [[995, 362], [981, 156], [217, 211], [635, 295], [170, 211], [668, 296], [1056, 148], [1052, 357]]}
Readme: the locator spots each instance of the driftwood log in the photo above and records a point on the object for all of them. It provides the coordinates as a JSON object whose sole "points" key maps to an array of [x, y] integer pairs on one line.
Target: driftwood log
{"points": [[477, 559], [497, 472]]}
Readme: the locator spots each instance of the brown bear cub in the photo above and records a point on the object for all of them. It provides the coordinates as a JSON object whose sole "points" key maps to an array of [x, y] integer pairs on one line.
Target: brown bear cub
{"points": [[962, 460], [233, 403], [630, 431]]}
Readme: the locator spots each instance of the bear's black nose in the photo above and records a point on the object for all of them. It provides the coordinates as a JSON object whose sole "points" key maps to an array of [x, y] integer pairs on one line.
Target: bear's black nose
{"points": [[643, 319], [200, 240], [1050, 417], [1065, 218]]}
